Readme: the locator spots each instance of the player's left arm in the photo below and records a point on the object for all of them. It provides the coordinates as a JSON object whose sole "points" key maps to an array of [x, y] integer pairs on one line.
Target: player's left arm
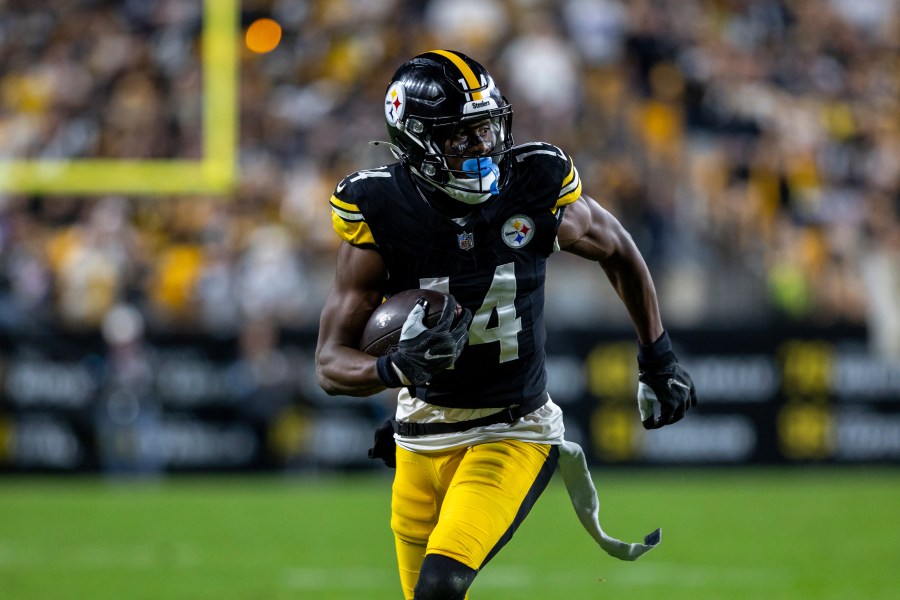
{"points": [[588, 230]]}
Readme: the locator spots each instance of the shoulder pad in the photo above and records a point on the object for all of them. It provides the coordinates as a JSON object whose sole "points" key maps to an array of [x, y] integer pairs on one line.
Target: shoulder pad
{"points": [[363, 184], [353, 197], [550, 161], [539, 153]]}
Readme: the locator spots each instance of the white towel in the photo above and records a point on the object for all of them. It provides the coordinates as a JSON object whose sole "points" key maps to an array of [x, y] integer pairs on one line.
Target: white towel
{"points": [[581, 490]]}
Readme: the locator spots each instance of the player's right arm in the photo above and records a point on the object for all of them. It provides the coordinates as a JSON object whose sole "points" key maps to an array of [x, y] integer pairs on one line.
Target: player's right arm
{"points": [[341, 368]]}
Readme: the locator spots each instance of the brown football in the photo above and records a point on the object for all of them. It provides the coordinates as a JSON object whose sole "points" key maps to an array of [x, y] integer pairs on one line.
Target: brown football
{"points": [[382, 332]]}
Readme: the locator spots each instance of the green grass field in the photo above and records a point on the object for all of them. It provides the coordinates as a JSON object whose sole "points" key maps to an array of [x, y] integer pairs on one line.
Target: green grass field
{"points": [[740, 534]]}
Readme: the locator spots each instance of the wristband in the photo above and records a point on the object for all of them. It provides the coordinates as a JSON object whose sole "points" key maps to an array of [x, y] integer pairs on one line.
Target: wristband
{"points": [[386, 372], [656, 350]]}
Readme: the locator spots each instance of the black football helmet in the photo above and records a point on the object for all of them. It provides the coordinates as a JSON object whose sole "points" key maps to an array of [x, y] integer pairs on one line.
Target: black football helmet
{"points": [[439, 106]]}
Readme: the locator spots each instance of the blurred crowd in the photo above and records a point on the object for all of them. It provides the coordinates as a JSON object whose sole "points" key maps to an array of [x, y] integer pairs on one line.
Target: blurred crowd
{"points": [[751, 147]]}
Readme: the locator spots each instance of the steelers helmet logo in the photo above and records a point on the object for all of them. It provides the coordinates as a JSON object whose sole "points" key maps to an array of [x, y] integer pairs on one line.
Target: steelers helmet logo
{"points": [[518, 231], [394, 103]]}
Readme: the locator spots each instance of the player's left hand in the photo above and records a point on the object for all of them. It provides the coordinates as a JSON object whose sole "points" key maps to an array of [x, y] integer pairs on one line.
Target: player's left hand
{"points": [[663, 380]]}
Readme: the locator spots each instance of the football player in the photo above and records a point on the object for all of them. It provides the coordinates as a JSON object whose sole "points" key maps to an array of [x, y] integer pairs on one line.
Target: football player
{"points": [[467, 212]]}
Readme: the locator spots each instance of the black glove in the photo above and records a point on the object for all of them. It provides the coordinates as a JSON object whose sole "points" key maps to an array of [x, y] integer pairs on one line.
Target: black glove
{"points": [[661, 379], [424, 352], [385, 447]]}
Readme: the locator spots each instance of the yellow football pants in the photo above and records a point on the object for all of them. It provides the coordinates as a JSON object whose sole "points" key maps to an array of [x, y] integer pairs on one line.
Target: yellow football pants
{"points": [[464, 503]]}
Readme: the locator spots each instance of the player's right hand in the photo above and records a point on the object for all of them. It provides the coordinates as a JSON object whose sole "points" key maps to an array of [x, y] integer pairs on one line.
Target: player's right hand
{"points": [[424, 351]]}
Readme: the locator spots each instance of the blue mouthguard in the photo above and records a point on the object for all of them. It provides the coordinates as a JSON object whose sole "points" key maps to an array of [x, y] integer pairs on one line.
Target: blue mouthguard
{"points": [[482, 167]]}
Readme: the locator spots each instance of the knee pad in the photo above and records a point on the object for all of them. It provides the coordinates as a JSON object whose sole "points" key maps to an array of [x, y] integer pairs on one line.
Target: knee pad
{"points": [[443, 578]]}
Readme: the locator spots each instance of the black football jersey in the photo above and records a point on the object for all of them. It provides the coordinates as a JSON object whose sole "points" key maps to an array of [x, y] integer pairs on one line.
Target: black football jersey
{"points": [[493, 262]]}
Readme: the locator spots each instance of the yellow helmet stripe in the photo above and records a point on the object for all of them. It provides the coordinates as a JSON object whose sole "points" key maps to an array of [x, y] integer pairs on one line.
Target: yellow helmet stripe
{"points": [[467, 73]]}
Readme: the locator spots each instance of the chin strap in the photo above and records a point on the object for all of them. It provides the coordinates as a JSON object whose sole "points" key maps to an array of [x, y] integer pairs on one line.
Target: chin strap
{"points": [[583, 494], [464, 196]]}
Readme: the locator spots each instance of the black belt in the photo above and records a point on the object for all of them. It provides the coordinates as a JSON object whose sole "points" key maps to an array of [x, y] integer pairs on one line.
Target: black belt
{"points": [[507, 415]]}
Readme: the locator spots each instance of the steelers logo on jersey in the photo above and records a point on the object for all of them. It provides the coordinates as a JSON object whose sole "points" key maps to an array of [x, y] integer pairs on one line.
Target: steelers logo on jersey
{"points": [[394, 103], [518, 231]]}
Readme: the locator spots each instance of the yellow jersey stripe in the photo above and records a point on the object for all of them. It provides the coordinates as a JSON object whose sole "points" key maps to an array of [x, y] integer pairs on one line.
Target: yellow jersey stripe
{"points": [[467, 73], [355, 232], [570, 182], [351, 215], [571, 188], [571, 174], [338, 203], [569, 198]]}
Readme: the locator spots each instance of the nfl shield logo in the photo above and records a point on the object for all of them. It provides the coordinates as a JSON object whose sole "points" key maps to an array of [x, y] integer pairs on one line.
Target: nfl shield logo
{"points": [[466, 241]]}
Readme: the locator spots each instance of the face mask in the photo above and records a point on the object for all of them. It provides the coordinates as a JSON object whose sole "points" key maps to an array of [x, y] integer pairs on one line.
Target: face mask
{"points": [[479, 184]]}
